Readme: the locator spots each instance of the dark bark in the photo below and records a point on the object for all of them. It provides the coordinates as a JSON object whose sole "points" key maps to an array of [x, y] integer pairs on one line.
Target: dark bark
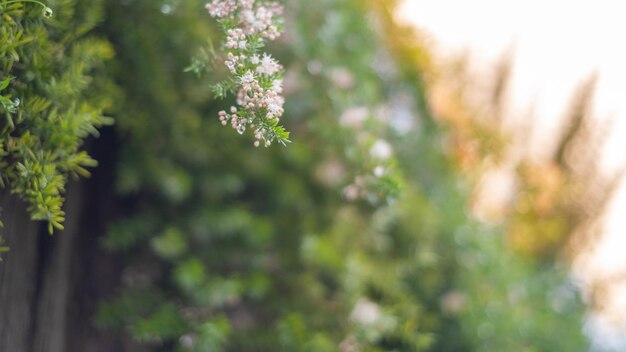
{"points": [[54, 273], [50, 286], [96, 272], [18, 276]]}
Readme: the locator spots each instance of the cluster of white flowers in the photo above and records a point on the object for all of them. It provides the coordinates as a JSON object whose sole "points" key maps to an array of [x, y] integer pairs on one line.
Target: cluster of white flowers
{"points": [[377, 169], [256, 77]]}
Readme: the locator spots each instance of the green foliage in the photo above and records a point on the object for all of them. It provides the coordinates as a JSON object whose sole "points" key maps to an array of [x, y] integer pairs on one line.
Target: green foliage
{"points": [[45, 10], [355, 237], [50, 100], [2, 248], [7, 104], [151, 317], [204, 61], [212, 335]]}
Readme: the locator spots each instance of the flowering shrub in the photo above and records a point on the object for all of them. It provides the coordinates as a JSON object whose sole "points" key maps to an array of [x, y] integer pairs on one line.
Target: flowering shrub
{"points": [[256, 78], [232, 249]]}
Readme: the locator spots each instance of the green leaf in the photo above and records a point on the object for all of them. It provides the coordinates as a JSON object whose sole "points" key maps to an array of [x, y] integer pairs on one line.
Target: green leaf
{"points": [[190, 274], [5, 83], [170, 244]]}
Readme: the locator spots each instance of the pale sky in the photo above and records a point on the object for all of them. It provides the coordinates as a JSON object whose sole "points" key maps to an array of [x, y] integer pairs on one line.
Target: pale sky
{"points": [[557, 44]]}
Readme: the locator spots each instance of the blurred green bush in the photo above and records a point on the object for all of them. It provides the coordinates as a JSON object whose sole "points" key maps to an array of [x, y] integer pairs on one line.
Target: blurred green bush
{"points": [[355, 237]]}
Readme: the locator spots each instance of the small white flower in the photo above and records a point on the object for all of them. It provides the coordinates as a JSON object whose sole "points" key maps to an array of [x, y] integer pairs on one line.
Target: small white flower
{"points": [[273, 109], [231, 65], [277, 86], [248, 16], [247, 79], [255, 59], [268, 65]]}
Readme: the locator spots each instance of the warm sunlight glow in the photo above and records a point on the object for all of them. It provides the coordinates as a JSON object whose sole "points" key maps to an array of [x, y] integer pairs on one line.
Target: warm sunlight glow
{"points": [[556, 45]]}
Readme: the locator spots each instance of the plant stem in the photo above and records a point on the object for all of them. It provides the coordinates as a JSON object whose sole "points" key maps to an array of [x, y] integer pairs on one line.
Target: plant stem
{"points": [[47, 12]]}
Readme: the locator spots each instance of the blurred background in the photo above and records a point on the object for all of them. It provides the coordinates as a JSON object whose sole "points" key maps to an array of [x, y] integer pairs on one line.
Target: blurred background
{"points": [[552, 49], [454, 181]]}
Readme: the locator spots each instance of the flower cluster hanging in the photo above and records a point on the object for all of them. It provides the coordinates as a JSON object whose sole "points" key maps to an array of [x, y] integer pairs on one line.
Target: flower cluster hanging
{"points": [[256, 77]]}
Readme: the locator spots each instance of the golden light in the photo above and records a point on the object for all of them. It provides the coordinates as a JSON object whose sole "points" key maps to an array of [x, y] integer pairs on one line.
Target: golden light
{"points": [[555, 46]]}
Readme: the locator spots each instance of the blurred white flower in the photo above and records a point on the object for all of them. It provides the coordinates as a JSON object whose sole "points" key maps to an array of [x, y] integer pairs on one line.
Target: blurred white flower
{"points": [[354, 116], [349, 344], [187, 341], [365, 312], [381, 150], [402, 119], [453, 302], [277, 86], [247, 79], [315, 67], [351, 192], [342, 78], [331, 172]]}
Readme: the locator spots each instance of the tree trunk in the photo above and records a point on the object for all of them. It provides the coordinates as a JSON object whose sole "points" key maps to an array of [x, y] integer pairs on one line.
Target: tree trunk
{"points": [[50, 286], [52, 300], [18, 276]]}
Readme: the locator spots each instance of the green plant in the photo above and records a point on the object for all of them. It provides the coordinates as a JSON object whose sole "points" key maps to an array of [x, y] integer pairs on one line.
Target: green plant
{"points": [[45, 10], [49, 100], [353, 238]]}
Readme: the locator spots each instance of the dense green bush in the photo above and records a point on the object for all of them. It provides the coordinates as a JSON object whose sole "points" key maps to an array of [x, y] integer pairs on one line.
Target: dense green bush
{"points": [[354, 237], [51, 100]]}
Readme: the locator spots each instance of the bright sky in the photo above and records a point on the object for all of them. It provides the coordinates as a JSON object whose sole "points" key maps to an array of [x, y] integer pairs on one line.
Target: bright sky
{"points": [[557, 44]]}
